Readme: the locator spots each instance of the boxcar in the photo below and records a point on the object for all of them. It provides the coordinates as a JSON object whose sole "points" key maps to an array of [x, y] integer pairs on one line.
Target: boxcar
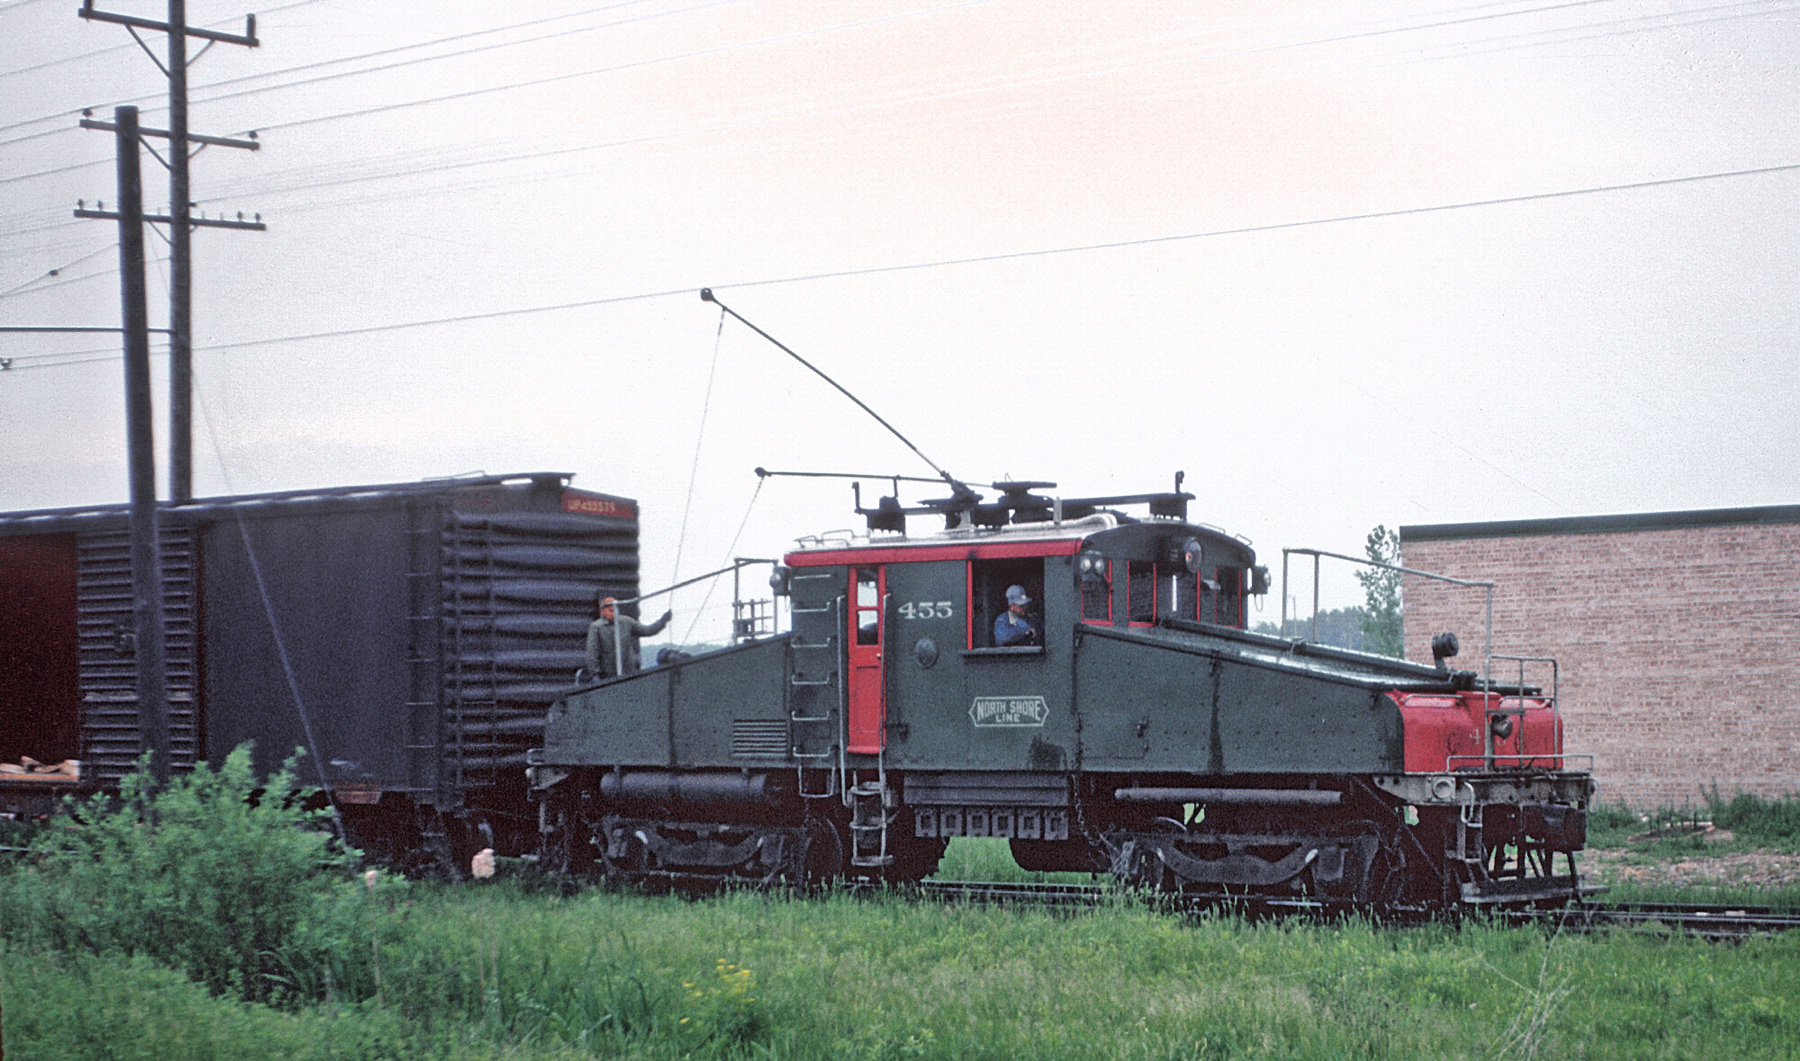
{"points": [[417, 631]]}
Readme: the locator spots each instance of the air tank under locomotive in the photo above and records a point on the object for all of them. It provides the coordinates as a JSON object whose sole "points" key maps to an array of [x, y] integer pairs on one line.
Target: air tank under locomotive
{"points": [[1143, 732]]}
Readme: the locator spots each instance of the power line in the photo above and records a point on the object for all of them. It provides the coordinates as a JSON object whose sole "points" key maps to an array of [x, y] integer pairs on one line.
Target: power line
{"points": [[56, 364], [107, 51], [1659, 23], [1012, 256], [449, 55], [1252, 50], [595, 71], [57, 271], [341, 60], [755, 119], [62, 282]]}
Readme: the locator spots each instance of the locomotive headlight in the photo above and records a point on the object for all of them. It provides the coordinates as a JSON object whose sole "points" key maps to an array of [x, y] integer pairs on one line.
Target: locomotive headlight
{"points": [[1193, 557], [1091, 567], [1443, 789], [778, 579]]}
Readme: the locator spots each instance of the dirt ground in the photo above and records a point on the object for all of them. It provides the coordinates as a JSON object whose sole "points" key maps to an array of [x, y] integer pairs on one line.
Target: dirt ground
{"points": [[1757, 868]]}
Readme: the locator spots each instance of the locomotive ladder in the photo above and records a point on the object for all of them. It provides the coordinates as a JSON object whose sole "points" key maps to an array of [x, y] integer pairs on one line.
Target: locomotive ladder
{"points": [[814, 662], [869, 819]]}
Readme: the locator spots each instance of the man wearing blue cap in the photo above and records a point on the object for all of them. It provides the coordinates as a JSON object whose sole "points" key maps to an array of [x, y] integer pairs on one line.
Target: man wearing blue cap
{"points": [[1013, 628]]}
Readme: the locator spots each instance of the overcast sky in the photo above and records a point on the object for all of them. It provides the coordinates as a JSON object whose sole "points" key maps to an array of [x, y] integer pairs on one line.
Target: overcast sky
{"points": [[1092, 243]]}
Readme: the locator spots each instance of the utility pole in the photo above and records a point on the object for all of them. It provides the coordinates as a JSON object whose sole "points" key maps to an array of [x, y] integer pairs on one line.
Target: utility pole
{"points": [[146, 542], [181, 274], [146, 554]]}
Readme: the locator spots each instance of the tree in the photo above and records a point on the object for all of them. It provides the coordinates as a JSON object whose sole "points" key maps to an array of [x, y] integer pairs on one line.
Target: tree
{"points": [[1381, 623]]}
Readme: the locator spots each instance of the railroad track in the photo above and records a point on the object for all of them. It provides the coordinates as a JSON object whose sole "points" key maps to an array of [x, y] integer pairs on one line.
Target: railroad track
{"points": [[1708, 921]]}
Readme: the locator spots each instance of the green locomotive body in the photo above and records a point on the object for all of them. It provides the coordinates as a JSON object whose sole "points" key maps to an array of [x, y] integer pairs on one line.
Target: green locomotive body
{"points": [[1139, 731]]}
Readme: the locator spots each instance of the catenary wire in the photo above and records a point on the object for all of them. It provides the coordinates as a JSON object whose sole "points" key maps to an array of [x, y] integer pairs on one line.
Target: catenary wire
{"points": [[699, 440], [198, 92], [455, 96], [1661, 23], [57, 271], [330, 182], [458, 54], [1011, 256], [225, 24], [616, 67], [281, 650]]}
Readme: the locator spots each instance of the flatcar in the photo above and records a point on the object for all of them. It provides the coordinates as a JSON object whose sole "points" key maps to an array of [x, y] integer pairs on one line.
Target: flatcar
{"points": [[1139, 729]]}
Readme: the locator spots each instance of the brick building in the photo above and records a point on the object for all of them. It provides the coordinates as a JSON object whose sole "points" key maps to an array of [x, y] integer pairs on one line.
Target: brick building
{"points": [[1677, 635]]}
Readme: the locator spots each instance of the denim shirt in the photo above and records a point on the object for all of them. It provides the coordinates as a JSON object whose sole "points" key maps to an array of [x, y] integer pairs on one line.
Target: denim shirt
{"points": [[1011, 629]]}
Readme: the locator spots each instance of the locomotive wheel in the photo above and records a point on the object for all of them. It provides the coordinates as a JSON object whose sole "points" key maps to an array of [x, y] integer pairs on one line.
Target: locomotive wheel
{"points": [[566, 841], [824, 859], [916, 858]]}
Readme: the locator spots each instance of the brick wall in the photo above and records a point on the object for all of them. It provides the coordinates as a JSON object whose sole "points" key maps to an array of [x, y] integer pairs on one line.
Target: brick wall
{"points": [[1679, 648]]}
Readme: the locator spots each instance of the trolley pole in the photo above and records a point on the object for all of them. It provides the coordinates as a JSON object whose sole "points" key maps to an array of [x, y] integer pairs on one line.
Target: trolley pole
{"points": [[146, 551]]}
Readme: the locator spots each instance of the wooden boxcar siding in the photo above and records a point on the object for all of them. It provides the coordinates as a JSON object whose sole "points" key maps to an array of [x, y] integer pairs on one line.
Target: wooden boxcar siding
{"points": [[1679, 648]]}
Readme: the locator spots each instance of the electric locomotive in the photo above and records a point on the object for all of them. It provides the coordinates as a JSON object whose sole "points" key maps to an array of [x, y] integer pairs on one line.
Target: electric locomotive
{"points": [[1140, 730]]}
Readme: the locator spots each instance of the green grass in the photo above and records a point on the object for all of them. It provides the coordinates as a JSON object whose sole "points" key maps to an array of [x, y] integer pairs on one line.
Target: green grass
{"points": [[101, 957], [972, 858], [1755, 824], [494, 971]]}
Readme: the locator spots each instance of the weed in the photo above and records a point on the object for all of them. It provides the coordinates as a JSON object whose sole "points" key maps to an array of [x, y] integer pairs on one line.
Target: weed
{"points": [[214, 875]]}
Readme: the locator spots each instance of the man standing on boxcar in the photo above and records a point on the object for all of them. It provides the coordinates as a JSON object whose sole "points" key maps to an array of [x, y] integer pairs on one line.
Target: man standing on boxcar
{"points": [[612, 640]]}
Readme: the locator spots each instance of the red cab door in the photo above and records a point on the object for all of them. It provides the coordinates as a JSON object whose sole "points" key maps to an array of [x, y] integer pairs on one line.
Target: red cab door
{"points": [[867, 690]]}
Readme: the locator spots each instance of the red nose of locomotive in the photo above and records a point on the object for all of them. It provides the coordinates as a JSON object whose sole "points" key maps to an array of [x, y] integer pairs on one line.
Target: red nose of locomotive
{"points": [[1471, 730]]}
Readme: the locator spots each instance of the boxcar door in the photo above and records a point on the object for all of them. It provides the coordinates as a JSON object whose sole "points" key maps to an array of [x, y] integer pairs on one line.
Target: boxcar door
{"points": [[867, 689]]}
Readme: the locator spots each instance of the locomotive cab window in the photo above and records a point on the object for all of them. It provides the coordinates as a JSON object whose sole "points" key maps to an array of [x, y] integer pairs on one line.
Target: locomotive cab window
{"points": [[1140, 592], [1212, 595], [868, 606], [1094, 581], [1006, 608]]}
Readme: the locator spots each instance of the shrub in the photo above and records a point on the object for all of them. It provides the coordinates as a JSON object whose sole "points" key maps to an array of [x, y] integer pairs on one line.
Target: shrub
{"points": [[1767, 821], [231, 882]]}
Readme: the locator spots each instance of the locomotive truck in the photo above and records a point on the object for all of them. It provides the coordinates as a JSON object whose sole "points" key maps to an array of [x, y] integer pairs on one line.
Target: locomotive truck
{"points": [[1144, 732]]}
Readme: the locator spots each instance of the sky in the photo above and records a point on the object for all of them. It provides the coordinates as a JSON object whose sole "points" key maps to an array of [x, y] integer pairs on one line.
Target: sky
{"points": [[1343, 264]]}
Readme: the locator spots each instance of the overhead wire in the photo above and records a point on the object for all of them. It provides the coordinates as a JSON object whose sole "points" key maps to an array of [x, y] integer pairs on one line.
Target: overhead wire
{"points": [[1253, 48], [457, 54], [699, 440], [981, 259], [57, 270], [108, 50], [61, 282], [615, 67], [730, 557], [575, 149], [813, 113], [281, 650], [197, 93]]}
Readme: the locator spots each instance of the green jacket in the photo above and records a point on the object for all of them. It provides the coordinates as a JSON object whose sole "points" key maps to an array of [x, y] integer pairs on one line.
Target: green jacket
{"points": [[602, 649]]}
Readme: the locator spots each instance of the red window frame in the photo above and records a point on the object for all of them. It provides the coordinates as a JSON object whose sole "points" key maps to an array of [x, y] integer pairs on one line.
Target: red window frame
{"points": [[1081, 596]]}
